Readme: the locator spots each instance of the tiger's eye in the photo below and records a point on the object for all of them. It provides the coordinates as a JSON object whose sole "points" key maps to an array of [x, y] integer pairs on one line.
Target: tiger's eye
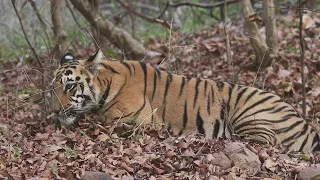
{"points": [[69, 86]]}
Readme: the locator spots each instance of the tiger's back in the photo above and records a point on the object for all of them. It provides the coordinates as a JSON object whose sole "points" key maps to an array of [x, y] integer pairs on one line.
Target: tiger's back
{"points": [[191, 105]]}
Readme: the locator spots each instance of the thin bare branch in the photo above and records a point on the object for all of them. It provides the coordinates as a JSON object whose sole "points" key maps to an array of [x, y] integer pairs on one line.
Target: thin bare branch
{"points": [[302, 60], [150, 19], [42, 23], [202, 5], [35, 55], [25, 34], [72, 14]]}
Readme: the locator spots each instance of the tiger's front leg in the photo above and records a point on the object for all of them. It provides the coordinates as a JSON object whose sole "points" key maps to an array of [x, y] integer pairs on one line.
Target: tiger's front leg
{"points": [[132, 110]]}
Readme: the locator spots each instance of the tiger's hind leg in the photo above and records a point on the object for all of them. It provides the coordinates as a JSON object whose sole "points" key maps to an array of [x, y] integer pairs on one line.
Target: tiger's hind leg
{"points": [[259, 133]]}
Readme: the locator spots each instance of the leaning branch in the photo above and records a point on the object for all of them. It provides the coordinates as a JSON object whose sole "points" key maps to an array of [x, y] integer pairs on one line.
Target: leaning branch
{"points": [[119, 37]]}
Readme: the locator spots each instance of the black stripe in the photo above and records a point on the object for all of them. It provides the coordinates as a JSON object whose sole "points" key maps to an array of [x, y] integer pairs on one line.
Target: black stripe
{"points": [[304, 143], [290, 128], [200, 123], [109, 68], [278, 110], [205, 88], [291, 115], [134, 68], [250, 95], [216, 128], [316, 143], [185, 115], [196, 93], [220, 86], [230, 88], [169, 79], [292, 137], [290, 144], [127, 66], [208, 104], [264, 92], [258, 130], [277, 101], [290, 110], [225, 126], [239, 95], [235, 112], [252, 106], [259, 111], [82, 87], [182, 85], [222, 112], [154, 84], [143, 105], [249, 125], [213, 95], [99, 80], [111, 106], [105, 95], [158, 73], [144, 68]]}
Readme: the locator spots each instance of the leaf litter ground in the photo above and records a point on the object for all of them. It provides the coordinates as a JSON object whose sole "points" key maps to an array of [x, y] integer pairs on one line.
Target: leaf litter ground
{"points": [[33, 147]]}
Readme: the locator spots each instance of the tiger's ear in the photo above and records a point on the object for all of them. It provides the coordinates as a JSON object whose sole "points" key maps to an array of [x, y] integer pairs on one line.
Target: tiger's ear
{"points": [[96, 57], [68, 57]]}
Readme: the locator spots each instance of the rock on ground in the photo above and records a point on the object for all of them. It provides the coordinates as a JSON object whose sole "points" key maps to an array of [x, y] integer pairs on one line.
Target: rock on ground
{"points": [[309, 173], [90, 175]]}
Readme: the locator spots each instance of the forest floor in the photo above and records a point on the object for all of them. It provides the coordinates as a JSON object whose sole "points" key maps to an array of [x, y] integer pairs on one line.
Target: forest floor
{"points": [[35, 146]]}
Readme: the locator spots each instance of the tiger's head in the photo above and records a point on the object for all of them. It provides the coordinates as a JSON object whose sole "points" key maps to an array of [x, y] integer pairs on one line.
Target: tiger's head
{"points": [[75, 90]]}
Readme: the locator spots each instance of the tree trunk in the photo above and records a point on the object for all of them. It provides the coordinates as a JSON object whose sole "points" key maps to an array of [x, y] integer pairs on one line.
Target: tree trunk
{"points": [[132, 48], [260, 48], [311, 4], [57, 21], [271, 28]]}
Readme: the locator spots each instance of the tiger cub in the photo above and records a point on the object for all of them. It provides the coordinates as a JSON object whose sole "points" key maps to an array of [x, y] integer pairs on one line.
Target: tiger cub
{"points": [[127, 89]]}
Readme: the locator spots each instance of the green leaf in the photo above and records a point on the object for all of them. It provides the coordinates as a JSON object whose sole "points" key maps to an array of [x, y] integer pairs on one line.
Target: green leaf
{"points": [[83, 133], [304, 157], [111, 53]]}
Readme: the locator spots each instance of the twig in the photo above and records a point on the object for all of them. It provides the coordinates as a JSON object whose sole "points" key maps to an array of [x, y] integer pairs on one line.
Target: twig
{"points": [[25, 35], [229, 59], [290, 8], [179, 155], [302, 60], [35, 55], [202, 5], [43, 25], [72, 14], [150, 19]]}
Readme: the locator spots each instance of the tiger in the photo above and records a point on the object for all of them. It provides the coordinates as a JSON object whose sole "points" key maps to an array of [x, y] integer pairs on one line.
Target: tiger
{"points": [[215, 109]]}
